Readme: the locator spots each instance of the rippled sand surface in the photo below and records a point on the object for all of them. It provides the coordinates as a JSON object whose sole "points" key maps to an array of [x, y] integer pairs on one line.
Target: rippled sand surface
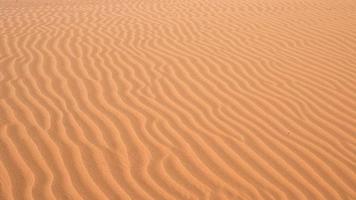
{"points": [[178, 99]]}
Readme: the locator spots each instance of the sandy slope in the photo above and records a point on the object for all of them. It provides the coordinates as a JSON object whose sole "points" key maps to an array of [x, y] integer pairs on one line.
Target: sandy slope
{"points": [[178, 99]]}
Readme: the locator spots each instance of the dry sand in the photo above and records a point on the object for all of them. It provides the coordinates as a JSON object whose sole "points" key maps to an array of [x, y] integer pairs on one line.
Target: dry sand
{"points": [[177, 99]]}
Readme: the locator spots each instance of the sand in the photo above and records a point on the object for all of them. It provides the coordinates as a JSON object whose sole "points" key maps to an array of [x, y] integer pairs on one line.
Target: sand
{"points": [[177, 99]]}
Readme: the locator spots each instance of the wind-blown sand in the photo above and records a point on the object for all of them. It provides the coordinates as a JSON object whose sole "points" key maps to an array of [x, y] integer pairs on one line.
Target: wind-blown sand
{"points": [[178, 99]]}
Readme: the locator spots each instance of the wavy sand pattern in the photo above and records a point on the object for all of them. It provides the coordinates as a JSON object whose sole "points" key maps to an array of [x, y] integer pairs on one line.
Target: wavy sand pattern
{"points": [[184, 99]]}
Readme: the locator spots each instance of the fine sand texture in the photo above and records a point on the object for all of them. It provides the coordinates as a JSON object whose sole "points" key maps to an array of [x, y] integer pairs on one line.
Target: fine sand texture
{"points": [[177, 99]]}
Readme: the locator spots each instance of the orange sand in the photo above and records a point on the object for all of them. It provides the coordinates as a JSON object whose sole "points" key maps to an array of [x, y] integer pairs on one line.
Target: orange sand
{"points": [[177, 99]]}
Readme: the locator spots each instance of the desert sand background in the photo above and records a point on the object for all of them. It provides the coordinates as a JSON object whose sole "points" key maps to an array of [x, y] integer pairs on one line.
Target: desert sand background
{"points": [[177, 99]]}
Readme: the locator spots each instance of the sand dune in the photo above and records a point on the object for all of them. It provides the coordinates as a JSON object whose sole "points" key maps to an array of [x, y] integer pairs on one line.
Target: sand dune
{"points": [[185, 99]]}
